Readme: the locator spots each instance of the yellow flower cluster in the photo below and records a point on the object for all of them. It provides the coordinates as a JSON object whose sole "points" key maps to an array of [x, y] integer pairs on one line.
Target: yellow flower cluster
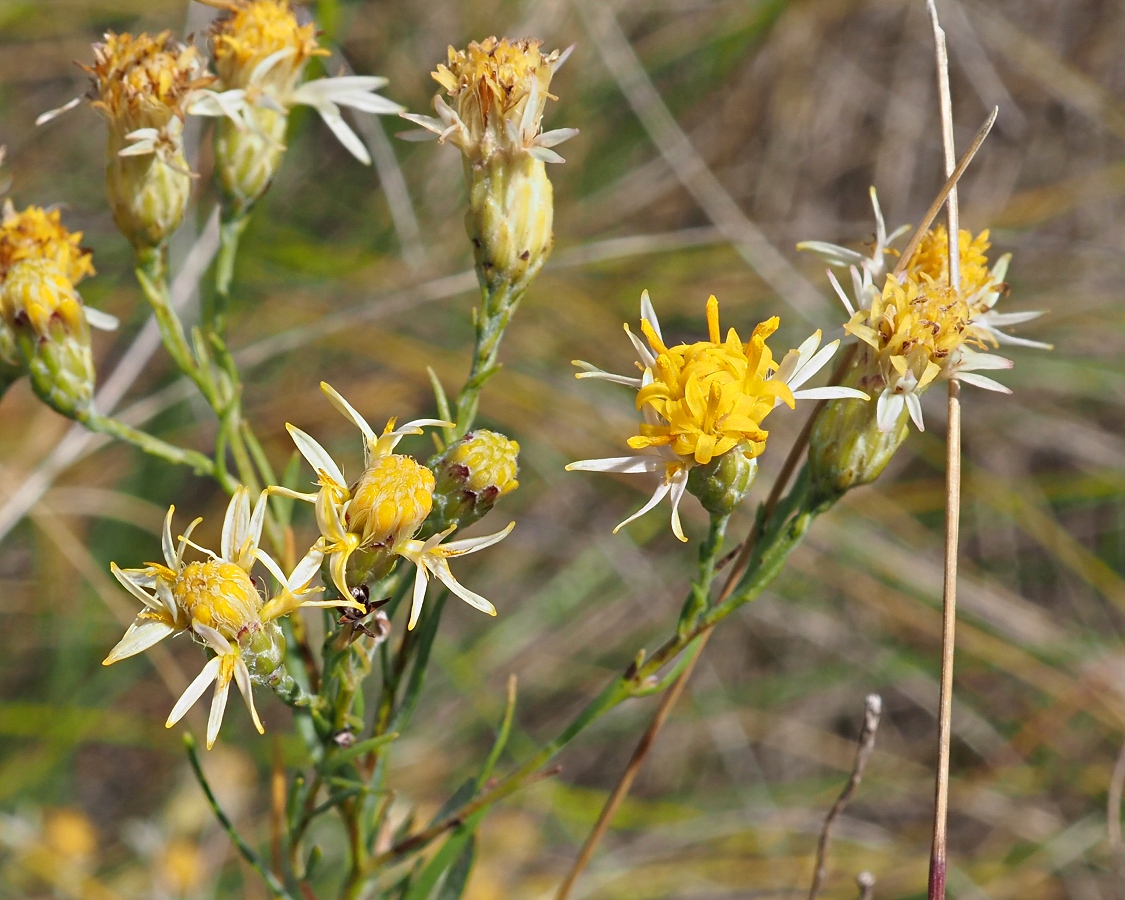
{"points": [[143, 81], [711, 395], [254, 31], [37, 233], [931, 259]]}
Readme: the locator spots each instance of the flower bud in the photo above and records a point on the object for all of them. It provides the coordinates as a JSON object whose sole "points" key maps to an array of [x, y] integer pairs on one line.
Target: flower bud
{"points": [[246, 159], [44, 314], [143, 86], [149, 193], [722, 484], [847, 448], [263, 651], [509, 220], [472, 474]]}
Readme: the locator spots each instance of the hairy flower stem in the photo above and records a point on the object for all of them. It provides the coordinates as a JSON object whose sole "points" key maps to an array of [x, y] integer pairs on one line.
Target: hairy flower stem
{"points": [[498, 303], [154, 446]]}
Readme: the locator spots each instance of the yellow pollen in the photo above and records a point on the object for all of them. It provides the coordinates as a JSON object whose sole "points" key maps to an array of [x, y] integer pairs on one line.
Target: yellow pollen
{"points": [[915, 327], [490, 459], [36, 233], [931, 259], [143, 81], [711, 395], [256, 29], [36, 292], [391, 500], [217, 594]]}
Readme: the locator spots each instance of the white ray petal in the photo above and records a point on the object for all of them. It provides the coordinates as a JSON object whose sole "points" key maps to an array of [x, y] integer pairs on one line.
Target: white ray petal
{"points": [[141, 635], [218, 708], [306, 569], [440, 568], [100, 320], [194, 691], [214, 640], [840, 293], [982, 381], [592, 371], [421, 582], [815, 364], [544, 155], [889, 409], [235, 524], [347, 410], [135, 589], [330, 113], [262, 69], [167, 545], [623, 465], [1013, 341], [833, 254], [1003, 320], [316, 455], [242, 679], [555, 137], [914, 407], [830, 393], [971, 361], [679, 485], [648, 314], [657, 495], [472, 545], [418, 135], [50, 114], [646, 356]]}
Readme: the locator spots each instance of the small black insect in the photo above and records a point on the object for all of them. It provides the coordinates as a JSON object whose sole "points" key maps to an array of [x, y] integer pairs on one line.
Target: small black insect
{"points": [[378, 629]]}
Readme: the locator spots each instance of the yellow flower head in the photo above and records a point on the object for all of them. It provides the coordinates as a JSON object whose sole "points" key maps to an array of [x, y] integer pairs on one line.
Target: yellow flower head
{"points": [[391, 501], [37, 233], [255, 31], [144, 81], [931, 259], [488, 461], [710, 395], [913, 329], [37, 293], [217, 601]]}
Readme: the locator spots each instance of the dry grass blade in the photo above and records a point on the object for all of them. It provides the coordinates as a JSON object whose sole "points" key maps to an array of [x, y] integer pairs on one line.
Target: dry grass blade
{"points": [[872, 710]]}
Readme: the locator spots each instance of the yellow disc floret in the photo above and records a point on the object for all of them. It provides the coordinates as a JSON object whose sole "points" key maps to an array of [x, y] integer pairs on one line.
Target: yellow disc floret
{"points": [[256, 30], [218, 594], [711, 395], [914, 329], [37, 233], [391, 500], [490, 459], [931, 259], [36, 293]]}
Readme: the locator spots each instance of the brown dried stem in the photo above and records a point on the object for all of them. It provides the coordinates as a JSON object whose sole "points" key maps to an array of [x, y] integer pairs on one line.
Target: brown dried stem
{"points": [[939, 849], [872, 710]]}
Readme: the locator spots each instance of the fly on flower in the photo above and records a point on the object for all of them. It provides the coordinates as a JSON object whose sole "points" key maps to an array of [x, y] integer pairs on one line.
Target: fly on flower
{"points": [[703, 400], [367, 525], [219, 604]]}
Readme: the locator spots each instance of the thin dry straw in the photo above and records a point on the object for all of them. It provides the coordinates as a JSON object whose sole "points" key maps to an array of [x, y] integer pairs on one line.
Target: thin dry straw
{"points": [[939, 849]]}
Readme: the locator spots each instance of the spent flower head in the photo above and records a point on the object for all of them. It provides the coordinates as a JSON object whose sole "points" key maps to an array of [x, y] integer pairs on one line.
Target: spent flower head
{"points": [[373, 521], [217, 601], [498, 90], [702, 400]]}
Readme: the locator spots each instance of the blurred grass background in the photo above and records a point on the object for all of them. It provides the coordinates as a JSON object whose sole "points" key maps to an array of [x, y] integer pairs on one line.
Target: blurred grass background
{"points": [[796, 106]]}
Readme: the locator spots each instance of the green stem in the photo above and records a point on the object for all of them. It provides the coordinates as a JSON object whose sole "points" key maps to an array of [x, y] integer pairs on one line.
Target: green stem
{"points": [[245, 849], [230, 232], [154, 446], [498, 303], [781, 534]]}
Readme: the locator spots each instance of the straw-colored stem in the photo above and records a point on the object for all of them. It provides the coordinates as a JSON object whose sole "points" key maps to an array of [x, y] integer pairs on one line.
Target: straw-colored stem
{"points": [[940, 849]]}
